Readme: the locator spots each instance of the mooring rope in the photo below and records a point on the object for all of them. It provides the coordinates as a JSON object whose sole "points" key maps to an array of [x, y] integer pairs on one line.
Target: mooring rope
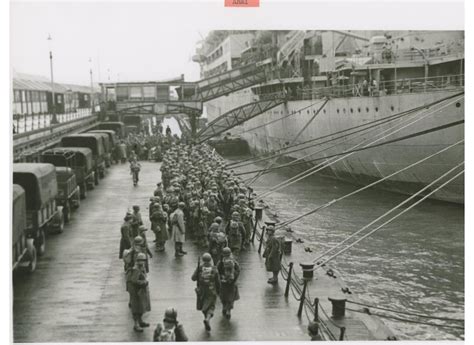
{"points": [[285, 223], [396, 216]]}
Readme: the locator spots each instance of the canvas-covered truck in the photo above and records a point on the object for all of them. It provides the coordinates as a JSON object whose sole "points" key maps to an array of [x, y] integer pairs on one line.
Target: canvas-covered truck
{"points": [[106, 145], [94, 142], [79, 159], [23, 249], [68, 191], [112, 142], [42, 212], [117, 127]]}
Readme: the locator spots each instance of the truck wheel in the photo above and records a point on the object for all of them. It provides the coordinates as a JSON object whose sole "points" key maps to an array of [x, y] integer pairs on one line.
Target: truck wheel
{"points": [[78, 200], [66, 213], [60, 228], [40, 243], [31, 256], [84, 191]]}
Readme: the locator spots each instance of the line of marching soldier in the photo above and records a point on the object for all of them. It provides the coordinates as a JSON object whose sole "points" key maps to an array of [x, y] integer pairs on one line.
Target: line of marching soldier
{"points": [[197, 198]]}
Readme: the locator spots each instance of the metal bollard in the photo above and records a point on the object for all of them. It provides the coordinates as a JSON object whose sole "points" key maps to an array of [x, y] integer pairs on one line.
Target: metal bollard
{"points": [[343, 331], [316, 309], [288, 281], [258, 212], [308, 268], [261, 240], [302, 299]]}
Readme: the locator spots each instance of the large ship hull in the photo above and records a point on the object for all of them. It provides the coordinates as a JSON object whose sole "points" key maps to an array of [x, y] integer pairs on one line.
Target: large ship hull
{"points": [[363, 167]]}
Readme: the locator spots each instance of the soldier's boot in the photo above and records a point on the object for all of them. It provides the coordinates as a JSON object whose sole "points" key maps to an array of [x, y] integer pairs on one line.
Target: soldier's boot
{"points": [[142, 323], [137, 327], [177, 252], [181, 249], [207, 323]]}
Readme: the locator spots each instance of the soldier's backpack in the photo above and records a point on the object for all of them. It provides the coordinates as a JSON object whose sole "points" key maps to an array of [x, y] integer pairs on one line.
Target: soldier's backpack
{"points": [[167, 334], [229, 272], [127, 256], [206, 275]]}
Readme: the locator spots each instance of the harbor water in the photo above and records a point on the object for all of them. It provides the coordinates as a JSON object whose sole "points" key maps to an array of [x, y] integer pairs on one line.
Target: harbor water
{"points": [[414, 264]]}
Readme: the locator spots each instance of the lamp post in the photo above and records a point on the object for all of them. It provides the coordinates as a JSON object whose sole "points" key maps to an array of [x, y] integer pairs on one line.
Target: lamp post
{"points": [[54, 119], [92, 89]]}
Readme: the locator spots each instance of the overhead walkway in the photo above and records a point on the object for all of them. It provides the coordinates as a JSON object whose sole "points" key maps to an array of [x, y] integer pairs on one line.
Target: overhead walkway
{"points": [[237, 116]]}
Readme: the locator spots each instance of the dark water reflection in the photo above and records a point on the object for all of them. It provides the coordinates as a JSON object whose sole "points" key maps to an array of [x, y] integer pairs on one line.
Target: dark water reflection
{"points": [[414, 264]]}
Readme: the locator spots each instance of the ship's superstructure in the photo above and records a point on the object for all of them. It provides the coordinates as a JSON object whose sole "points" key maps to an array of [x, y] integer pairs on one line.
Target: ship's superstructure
{"points": [[410, 83]]}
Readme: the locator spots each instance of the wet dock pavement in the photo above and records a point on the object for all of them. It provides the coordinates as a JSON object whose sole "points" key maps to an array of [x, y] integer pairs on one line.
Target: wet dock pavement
{"points": [[77, 293]]}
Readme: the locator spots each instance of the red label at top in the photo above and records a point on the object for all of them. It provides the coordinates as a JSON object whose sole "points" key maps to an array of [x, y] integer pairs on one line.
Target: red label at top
{"points": [[242, 3]]}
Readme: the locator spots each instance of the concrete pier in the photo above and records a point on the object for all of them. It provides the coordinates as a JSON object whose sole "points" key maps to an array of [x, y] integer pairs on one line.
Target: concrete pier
{"points": [[78, 292]]}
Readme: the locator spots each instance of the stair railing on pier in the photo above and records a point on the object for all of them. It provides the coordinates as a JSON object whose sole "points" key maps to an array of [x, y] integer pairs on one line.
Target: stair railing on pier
{"points": [[298, 287]]}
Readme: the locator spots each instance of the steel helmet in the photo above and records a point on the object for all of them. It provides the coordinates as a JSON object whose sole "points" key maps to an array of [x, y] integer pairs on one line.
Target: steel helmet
{"points": [[218, 220], [235, 214], [170, 315], [138, 240], [206, 257], [142, 228], [141, 257], [226, 251]]}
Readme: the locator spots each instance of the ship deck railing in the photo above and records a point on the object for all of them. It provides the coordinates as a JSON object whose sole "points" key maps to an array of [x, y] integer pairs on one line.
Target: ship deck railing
{"points": [[387, 87]]}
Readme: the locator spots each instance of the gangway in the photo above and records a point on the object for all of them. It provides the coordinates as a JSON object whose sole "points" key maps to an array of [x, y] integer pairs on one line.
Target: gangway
{"points": [[234, 80], [238, 116]]}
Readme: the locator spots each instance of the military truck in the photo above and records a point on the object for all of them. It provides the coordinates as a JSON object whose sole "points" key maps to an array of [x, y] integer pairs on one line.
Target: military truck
{"points": [[108, 148], [94, 142], [79, 159], [68, 191], [112, 143], [41, 189], [23, 250], [117, 127]]}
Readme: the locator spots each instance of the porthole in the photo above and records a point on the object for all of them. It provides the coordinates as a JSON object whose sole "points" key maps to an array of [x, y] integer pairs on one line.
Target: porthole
{"points": [[376, 109], [324, 111], [307, 112], [338, 110], [314, 111], [358, 110], [458, 105], [367, 109], [352, 110], [392, 108]]}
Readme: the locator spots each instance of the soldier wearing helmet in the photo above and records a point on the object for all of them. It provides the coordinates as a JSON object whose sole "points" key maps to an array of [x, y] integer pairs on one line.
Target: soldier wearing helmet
{"points": [[143, 246], [171, 330], [126, 234], [229, 271], [139, 292], [236, 235], [217, 242], [159, 225], [208, 287], [272, 254], [178, 229]]}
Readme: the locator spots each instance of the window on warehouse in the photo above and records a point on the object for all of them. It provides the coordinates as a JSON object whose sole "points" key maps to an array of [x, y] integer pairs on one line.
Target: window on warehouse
{"points": [[149, 92], [136, 92]]}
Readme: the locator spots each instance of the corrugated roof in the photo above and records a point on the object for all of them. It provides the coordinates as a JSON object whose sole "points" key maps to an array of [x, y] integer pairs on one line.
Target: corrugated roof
{"points": [[24, 81]]}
